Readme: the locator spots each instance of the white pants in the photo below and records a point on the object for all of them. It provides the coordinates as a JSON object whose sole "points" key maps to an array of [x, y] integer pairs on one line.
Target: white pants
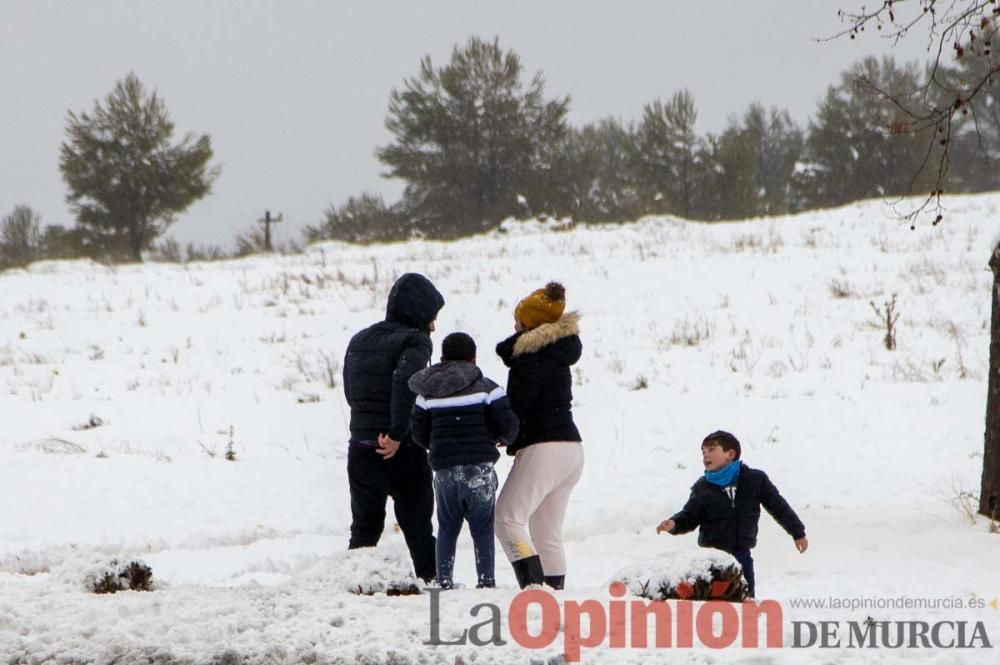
{"points": [[532, 503]]}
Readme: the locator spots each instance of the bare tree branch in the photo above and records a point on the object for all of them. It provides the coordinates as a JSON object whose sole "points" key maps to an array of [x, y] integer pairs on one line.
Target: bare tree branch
{"points": [[966, 28]]}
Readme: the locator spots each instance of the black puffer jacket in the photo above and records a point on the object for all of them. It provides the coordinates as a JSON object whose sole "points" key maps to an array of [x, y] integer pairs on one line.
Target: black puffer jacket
{"points": [[381, 359], [732, 525], [459, 415], [539, 384]]}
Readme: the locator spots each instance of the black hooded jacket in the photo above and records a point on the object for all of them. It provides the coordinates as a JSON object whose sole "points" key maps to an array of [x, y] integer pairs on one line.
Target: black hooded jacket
{"points": [[460, 415], [539, 383], [381, 359], [731, 524]]}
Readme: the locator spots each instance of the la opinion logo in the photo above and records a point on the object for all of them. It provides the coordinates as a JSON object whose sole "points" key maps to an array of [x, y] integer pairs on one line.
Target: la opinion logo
{"points": [[623, 624]]}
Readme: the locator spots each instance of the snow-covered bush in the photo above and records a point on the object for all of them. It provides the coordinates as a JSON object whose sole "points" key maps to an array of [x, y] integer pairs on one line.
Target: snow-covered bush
{"points": [[371, 570], [689, 575], [120, 576]]}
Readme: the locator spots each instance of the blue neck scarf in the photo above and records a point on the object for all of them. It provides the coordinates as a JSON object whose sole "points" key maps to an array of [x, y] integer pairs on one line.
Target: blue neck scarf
{"points": [[725, 476]]}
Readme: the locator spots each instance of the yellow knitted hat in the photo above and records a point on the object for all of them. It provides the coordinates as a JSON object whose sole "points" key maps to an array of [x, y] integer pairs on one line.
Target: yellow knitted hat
{"points": [[542, 306]]}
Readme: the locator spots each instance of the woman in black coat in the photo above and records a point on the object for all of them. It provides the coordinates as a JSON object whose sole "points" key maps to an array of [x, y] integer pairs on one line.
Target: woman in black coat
{"points": [[548, 456]]}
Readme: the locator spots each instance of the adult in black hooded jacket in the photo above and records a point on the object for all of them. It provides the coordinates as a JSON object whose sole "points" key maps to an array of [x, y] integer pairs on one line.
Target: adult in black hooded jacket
{"points": [[382, 459]]}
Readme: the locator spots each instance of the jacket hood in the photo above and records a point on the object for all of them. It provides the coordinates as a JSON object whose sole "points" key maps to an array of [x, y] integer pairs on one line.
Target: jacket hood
{"points": [[414, 301], [445, 379]]}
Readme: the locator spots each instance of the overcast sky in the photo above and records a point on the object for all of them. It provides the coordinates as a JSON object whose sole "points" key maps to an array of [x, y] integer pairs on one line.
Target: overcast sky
{"points": [[294, 93]]}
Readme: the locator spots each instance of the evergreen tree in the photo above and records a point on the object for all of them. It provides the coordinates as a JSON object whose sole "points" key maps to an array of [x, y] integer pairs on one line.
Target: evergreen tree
{"points": [[777, 145], [599, 164], [751, 165], [974, 150], [126, 181], [473, 142], [58, 242], [860, 144], [20, 237], [938, 112], [667, 155], [732, 156], [361, 219]]}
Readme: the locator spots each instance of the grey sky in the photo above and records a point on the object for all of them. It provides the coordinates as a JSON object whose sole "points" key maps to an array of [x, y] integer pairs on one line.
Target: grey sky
{"points": [[294, 92]]}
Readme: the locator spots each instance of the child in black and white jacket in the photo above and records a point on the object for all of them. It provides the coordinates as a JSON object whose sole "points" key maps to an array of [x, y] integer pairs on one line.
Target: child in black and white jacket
{"points": [[461, 417]]}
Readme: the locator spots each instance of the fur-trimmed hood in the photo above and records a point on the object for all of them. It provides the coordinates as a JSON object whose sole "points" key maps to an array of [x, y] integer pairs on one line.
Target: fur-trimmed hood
{"points": [[561, 336], [547, 334]]}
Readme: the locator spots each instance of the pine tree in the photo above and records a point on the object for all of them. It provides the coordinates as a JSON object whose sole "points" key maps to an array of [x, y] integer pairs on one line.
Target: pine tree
{"points": [[975, 138], [362, 219], [127, 181], [732, 156], [473, 142], [667, 155], [859, 145], [777, 144], [599, 163]]}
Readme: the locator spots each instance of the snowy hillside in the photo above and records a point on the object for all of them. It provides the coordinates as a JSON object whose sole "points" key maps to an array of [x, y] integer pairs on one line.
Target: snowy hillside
{"points": [[123, 388]]}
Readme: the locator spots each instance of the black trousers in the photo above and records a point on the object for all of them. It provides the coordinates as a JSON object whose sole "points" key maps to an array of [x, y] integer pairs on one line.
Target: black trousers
{"points": [[407, 479]]}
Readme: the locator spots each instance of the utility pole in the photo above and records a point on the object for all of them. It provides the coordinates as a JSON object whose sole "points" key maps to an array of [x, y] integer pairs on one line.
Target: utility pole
{"points": [[267, 221]]}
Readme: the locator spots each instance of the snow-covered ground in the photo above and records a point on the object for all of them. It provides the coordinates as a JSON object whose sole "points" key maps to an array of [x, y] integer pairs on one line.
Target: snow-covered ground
{"points": [[122, 388]]}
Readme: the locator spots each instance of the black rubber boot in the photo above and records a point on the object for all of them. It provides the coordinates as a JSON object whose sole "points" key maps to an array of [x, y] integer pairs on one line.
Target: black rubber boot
{"points": [[557, 582], [528, 571]]}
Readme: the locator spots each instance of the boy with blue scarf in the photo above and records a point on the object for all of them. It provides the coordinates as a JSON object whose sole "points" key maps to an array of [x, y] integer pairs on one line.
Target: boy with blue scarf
{"points": [[725, 505]]}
